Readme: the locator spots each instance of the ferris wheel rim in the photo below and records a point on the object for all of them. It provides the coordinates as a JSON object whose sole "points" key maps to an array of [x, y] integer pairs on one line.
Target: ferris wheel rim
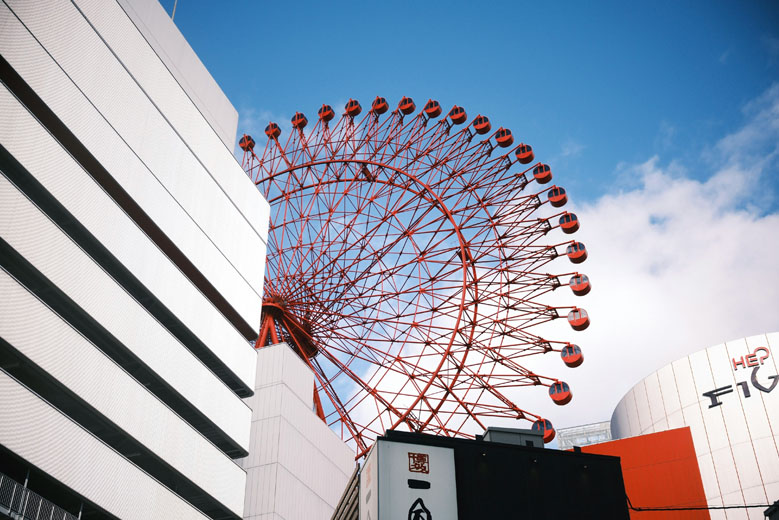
{"points": [[367, 134]]}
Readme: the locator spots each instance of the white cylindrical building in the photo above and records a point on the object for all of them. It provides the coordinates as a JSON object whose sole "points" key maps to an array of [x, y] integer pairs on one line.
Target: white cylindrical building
{"points": [[728, 395]]}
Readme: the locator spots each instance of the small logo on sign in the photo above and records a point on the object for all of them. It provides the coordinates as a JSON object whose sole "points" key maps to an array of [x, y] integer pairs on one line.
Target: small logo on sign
{"points": [[419, 462], [751, 360], [418, 510]]}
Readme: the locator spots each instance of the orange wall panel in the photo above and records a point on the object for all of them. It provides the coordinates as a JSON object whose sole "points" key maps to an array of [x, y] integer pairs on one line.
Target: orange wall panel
{"points": [[659, 470]]}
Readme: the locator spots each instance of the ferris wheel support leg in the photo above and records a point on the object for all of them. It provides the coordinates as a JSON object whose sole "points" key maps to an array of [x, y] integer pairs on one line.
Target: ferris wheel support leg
{"points": [[318, 404], [262, 339], [267, 331], [272, 327]]}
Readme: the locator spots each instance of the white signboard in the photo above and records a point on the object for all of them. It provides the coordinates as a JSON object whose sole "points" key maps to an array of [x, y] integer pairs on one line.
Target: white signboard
{"points": [[369, 487], [415, 482]]}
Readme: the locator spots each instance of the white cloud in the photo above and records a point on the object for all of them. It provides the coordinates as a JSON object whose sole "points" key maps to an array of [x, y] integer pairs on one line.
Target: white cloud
{"points": [[772, 46], [677, 265], [665, 136], [571, 148]]}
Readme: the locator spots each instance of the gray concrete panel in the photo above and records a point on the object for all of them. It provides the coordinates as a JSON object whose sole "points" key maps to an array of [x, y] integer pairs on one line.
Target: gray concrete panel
{"points": [[102, 140], [136, 119], [44, 437], [162, 34], [67, 356], [50, 251], [23, 137], [145, 67]]}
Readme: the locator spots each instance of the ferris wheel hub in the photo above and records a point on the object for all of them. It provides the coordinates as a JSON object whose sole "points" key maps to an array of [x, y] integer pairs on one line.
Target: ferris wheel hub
{"points": [[280, 323]]}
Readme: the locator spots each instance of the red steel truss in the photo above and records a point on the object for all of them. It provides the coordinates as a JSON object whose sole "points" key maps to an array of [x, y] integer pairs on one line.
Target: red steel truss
{"points": [[406, 266]]}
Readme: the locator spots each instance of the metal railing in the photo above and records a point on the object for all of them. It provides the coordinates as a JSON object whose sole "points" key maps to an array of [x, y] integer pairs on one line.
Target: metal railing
{"points": [[20, 503]]}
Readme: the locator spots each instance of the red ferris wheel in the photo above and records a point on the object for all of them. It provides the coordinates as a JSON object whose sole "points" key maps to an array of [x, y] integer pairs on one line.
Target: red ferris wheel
{"points": [[406, 265]]}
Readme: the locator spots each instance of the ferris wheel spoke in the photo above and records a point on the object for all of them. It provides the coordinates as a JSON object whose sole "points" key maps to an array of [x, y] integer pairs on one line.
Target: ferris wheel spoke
{"points": [[344, 369]]}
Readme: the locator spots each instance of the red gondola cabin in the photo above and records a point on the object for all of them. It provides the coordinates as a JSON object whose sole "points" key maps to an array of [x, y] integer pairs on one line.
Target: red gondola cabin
{"points": [[482, 124], [569, 223], [299, 121], [572, 355], [504, 137], [576, 252], [406, 105], [578, 319], [273, 131], [457, 115], [580, 284], [542, 173], [326, 113], [524, 153], [246, 143], [556, 196], [353, 108], [560, 393], [379, 105], [433, 108], [545, 427]]}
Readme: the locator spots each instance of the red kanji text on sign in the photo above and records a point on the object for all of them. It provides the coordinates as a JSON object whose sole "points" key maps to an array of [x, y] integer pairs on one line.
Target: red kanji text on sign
{"points": [[419, 462]]}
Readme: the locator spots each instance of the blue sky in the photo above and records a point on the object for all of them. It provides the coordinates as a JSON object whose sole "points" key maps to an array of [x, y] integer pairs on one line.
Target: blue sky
{"points": [[589, 85], [661, 120]]}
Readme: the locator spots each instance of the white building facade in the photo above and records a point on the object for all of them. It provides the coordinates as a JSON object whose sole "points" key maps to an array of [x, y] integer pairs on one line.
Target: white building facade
{"points": [[132, 251], [728, 395], [297, 467]]}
